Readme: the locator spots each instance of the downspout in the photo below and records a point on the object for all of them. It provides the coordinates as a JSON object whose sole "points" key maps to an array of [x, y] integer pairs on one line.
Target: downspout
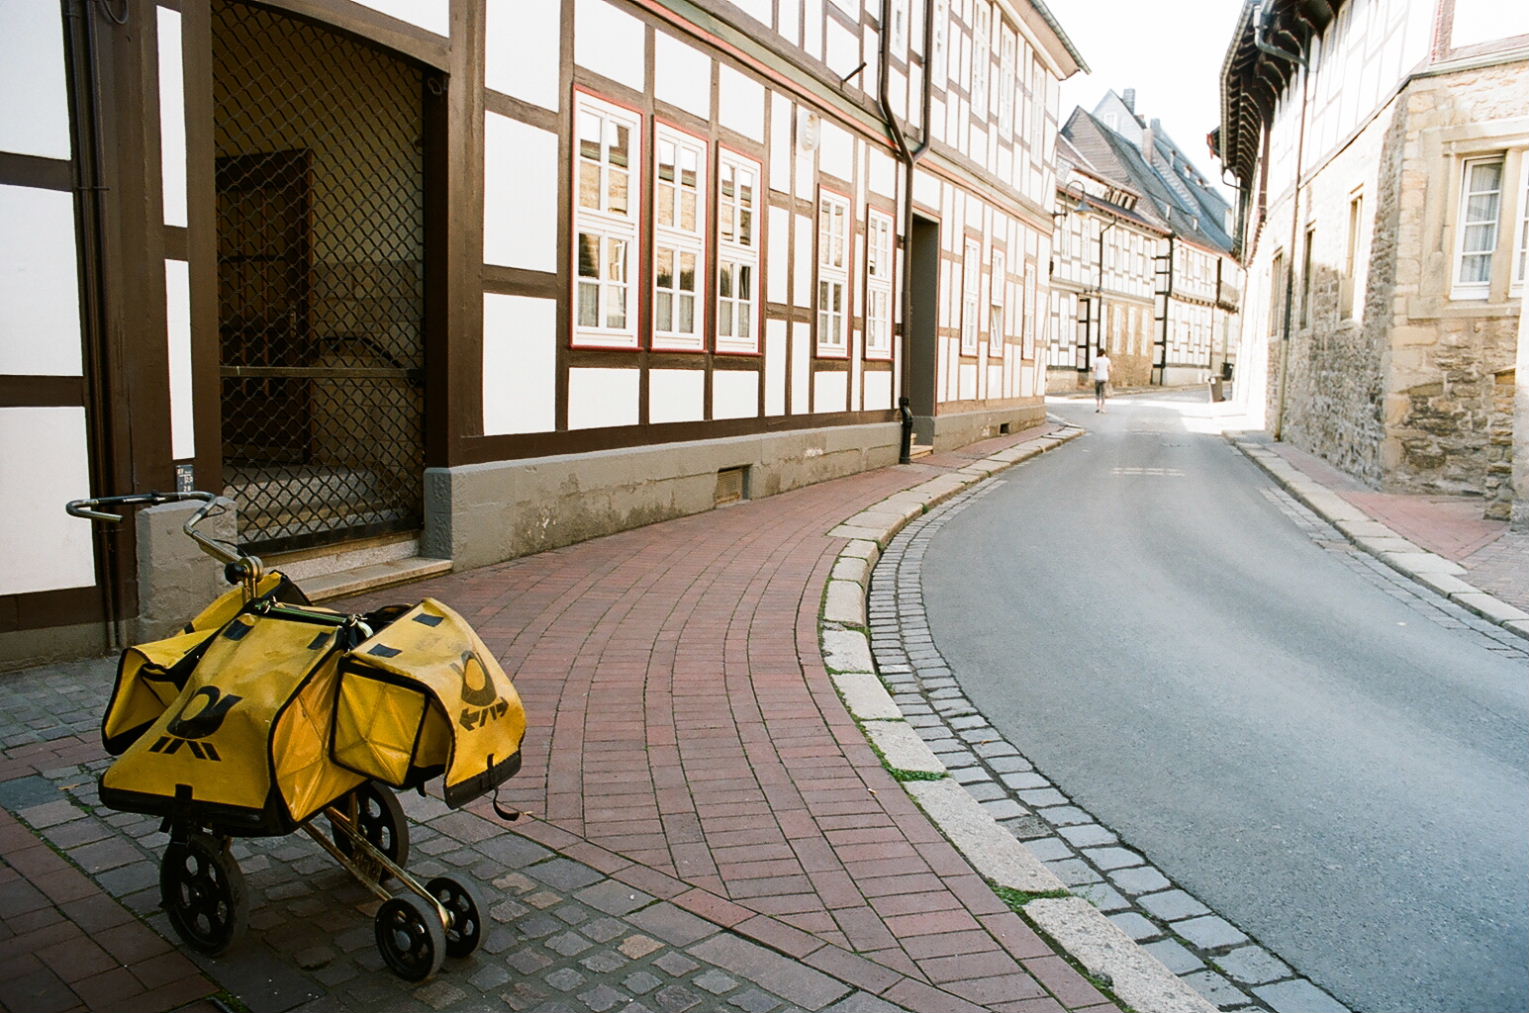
{"points": [[89, 191], [910, 157], [1295, 219]]}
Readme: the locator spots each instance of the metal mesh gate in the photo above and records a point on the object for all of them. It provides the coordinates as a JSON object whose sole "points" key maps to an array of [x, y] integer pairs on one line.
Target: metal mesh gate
{"points": [[320, 204]]}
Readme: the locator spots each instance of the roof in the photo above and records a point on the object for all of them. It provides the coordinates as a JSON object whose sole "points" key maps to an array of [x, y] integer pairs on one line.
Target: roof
{"points": [[1271, 39], [1189, 209]]}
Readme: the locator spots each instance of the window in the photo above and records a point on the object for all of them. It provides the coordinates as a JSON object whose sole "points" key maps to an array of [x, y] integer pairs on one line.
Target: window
{"points": [[941, 60], [833, 273], [1351, 261], [971, 285], [1523, 232], [1006, 84], [1306, 280], [997, 289], [878, 285], [605, 222], [738, 180], [1030, 312], [982, 59], [1277, 285], [900, 29], [679, 245], [1480, 205]]}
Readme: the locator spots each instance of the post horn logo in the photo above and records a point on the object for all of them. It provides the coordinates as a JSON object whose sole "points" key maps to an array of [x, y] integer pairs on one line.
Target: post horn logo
{"points": [[188, 728]]}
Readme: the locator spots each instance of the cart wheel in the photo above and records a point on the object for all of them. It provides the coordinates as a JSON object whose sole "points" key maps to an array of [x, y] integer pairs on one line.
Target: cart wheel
{"points": [[379, 819], [202, 891], [411, 937], [462, 903]]}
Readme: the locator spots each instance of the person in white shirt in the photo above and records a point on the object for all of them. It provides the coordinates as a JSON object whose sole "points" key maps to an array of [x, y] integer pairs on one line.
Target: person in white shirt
{"points": [[1101, 377]]}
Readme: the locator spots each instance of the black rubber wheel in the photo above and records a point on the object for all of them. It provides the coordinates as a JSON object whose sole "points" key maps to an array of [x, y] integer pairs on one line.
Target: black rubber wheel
{"points": [[410, 936], [463, 904], [202, 891], [380, 819]]}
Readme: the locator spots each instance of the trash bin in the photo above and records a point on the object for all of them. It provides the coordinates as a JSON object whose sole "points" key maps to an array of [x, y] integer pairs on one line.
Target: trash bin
{"points": [[1215, 389], [1226, 371]]}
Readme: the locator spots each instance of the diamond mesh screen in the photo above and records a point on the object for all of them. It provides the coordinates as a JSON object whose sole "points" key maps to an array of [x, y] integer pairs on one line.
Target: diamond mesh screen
{"points": [[320, 202]]}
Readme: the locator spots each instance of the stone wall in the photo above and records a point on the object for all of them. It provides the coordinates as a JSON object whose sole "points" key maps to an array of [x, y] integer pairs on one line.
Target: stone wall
{"points": [[1499, 478]]}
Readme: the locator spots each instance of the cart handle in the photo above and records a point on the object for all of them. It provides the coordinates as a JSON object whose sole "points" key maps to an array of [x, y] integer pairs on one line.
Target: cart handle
{"points": [[219, 550]]}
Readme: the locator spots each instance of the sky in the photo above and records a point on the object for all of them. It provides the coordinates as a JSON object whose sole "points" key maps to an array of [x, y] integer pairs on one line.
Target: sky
{"points": [[1171, 55]]}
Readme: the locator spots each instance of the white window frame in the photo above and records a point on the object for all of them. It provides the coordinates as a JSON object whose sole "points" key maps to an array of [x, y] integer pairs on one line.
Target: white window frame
{"points": [[835, 253], [900, 29], [1476, 289], [607, 226], [879, 265], [940, 60], [982, 58], [672, 238], [1006, 83], [738, 244], [1030, 323], [971, 291], [1521, 255], [998, 322]]}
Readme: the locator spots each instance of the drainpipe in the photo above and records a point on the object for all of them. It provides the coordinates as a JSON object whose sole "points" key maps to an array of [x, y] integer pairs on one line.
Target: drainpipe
{"points": [[1295, 216], [910, 157]]}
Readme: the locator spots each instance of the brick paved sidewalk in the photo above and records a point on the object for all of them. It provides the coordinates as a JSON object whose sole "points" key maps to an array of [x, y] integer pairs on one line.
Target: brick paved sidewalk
{"points": [[709, 828], [1496, 559]]}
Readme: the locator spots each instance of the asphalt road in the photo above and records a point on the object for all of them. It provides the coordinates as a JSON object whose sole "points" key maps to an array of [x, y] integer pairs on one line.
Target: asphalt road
{"points": [[1342, 778]]}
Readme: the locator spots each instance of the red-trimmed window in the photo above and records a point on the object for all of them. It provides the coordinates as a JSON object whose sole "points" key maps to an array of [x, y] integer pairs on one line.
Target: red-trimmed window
{"points": [[608, 180], [833, 273], [679, 240], [738, 188], [878, 285]]}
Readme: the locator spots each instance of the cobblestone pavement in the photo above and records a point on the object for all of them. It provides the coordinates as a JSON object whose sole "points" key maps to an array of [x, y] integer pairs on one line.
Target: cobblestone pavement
{"points": [[1214, 956], [709, 828]]}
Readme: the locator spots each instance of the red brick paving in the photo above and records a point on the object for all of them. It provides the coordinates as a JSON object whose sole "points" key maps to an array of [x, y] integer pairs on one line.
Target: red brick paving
{"points": [[681, 718]]}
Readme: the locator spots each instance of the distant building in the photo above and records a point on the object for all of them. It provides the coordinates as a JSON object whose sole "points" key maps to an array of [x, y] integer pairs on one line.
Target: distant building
{"points": [[1189, 272], [1381, 149], [467, 279]]}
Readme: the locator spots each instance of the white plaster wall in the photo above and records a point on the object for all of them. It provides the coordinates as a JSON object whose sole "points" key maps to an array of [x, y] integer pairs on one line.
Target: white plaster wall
{"points": [[741, 103], [521, 49], [431, 15], [878, 390], [676, 395], [734, 394], [830, 391], [781, 116], [178, 335], [41, 547], [775, 367], [681, 75], [602, 397], [39, 286], [610, 42], [1485, 20], [519, 364], [778, 252], [836, 151], [966, 390], [172, 118], [520, 181], [34, 118], [843, 53], [803, 263], [883, 174], [801, 366]]}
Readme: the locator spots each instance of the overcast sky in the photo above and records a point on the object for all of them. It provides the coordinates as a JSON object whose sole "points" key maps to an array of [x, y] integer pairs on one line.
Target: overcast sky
{"points": [[1170, 53]]}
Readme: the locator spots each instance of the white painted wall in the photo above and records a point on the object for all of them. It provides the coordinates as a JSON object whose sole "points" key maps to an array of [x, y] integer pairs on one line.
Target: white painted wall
{"points": [[43, 548], [34, 118], [521, 50], [801, 366], [878, 391], [602, 397], [775, 367], [740, 103], [830, 392], [39, 284], [734, 394], [676, 395], [178, 337], [519, 364], [520, 180], [172, 118], [610, 42], [681, 75]]}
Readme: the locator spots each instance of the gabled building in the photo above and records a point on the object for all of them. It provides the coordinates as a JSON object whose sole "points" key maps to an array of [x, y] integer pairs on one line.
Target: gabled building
{"points": [[1381, 148], [466, 279], [1195, 281]]}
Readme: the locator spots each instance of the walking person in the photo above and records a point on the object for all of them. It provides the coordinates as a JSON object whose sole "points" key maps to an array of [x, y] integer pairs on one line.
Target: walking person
{"points": [[1101, 377]]}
